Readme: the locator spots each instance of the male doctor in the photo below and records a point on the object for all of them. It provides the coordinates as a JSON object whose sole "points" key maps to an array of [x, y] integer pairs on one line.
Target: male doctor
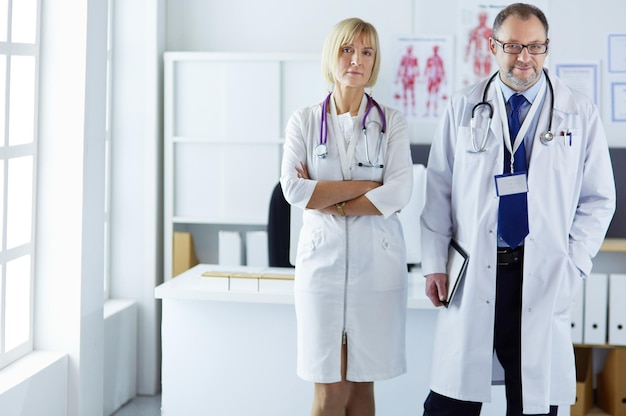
{"points": [[530, 198]]}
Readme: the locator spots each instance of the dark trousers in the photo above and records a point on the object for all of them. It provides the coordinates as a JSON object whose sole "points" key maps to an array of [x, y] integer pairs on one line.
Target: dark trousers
{"points": [[507, 345]]}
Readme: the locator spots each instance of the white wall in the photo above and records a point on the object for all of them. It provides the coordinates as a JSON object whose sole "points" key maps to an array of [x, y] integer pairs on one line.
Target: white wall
{"points": [[136, 190], [578, 31], [35, 385], [69, 314], [120, 354]]}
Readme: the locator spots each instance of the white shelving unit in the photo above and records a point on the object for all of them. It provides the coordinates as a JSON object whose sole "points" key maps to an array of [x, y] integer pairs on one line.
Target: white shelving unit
{"points": [[224, 121]]}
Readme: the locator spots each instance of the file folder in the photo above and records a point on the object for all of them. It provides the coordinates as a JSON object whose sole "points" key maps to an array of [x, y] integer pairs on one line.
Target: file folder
{"points": [[229, 250], [596, 302], [617, 309]]}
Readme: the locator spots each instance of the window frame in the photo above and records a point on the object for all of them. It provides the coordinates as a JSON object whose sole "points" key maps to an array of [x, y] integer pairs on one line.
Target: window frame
{"points": [[9, 49]]}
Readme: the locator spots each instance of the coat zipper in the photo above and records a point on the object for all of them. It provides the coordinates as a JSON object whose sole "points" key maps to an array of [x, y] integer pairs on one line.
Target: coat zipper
{"points": [[344, 335]]}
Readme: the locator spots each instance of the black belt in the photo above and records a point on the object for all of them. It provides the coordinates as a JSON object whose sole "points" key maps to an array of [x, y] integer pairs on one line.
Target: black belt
{"points": [[508, 256]]}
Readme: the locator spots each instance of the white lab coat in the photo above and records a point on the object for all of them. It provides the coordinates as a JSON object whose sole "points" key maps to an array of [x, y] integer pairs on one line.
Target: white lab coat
{"points": [[571, 200], [350, 273]]}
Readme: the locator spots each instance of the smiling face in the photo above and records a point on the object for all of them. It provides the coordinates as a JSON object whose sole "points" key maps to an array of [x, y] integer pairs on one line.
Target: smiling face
{"points": [[519, 71], [355, 63]]}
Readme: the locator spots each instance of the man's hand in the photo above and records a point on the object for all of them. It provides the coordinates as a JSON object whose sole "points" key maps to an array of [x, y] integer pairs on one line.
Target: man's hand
{"points": [[437, 288]]}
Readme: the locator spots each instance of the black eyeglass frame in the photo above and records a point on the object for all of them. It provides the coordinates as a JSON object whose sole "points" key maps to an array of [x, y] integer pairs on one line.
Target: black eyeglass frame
{"points": [[504, 45]]}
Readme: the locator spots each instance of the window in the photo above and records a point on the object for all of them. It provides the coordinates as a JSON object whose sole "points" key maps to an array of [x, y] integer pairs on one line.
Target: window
{"points": [[19, 72]]}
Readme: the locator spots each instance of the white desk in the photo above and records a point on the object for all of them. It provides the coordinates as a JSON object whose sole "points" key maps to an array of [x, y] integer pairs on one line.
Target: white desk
{"points": [[231, 353]]}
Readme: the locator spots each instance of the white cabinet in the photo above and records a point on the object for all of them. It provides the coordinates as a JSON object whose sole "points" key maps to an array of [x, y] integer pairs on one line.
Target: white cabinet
{"points": [[224, 122]]}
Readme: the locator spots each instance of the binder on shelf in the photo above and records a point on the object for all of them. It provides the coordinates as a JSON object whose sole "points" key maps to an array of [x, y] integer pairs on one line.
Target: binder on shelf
{"points": [[229, 252], [617, 309], [456, 268], [256, 249], [596, 302]]}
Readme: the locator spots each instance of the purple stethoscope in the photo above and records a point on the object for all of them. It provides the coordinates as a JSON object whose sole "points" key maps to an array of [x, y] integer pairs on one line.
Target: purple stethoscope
{"points": [[321, 150]]}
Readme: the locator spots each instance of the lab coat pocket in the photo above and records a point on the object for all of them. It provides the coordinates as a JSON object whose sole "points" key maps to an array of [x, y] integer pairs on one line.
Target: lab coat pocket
{"points": [[571, 283], [473, 145], [308, 243], [390, 269], [309, 259], [567, 151], [465, 143]]}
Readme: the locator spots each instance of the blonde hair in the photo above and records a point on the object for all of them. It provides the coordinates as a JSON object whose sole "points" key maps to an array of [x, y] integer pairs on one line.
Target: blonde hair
{"points": [[346, 32]]}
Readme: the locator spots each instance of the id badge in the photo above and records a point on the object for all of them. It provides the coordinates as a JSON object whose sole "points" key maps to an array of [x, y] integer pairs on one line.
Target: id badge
{"points": [[510, 184]]}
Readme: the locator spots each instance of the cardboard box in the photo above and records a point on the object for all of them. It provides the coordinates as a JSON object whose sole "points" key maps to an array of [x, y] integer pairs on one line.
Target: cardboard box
{"points": [[596, 411], [612, 383], [584, 382], [184, 254]]}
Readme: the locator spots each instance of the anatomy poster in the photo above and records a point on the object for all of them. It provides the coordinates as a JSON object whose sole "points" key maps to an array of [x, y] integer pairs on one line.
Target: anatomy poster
{"points": [[474, 60], [422, 78]]}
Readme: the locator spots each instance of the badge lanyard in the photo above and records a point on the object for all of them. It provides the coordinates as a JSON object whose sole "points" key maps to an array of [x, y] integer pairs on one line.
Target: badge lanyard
{"points": [[525, 125]]}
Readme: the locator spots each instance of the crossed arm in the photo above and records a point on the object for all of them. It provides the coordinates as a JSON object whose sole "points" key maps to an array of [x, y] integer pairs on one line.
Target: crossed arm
{"points": [[329, 193]]}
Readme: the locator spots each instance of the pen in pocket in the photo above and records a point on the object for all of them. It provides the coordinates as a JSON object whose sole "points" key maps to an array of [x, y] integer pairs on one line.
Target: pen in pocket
{"points": [[567, 137]]}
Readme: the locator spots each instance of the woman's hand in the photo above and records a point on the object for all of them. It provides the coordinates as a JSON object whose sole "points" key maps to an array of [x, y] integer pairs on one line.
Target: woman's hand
{"points": [[328, 193], [303, 172]]}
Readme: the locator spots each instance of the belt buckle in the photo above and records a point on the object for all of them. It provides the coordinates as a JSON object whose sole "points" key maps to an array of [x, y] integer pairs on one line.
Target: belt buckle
{"points": [[511, 256]]}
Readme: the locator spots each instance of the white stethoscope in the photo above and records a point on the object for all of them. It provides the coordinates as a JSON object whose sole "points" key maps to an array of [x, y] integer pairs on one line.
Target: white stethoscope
{"points": [[321, 150], [546, 137]]}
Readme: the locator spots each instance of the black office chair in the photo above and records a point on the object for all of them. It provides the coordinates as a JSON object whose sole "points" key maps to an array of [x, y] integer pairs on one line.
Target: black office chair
{"points": [[278, 229]]}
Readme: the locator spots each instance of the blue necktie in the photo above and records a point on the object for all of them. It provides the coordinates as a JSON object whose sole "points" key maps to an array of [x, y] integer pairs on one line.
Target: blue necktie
{"points": [[513, 210]]}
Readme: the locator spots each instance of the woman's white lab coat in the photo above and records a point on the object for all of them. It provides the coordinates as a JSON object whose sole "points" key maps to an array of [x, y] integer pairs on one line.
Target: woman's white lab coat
{"points": [[571, 200], [351, 272]]}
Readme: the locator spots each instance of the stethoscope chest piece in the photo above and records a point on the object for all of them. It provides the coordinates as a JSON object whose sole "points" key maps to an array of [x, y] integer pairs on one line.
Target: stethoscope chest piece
{"points": [[321, 150], [546, 137]]}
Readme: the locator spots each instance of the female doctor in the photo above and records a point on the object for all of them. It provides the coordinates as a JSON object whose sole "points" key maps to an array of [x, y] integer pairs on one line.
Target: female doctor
{"points": [[347, 163], [518, 305]]}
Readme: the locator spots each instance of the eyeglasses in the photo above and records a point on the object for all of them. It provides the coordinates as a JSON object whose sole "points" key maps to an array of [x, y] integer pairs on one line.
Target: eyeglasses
{"points": [[516, 48]]}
